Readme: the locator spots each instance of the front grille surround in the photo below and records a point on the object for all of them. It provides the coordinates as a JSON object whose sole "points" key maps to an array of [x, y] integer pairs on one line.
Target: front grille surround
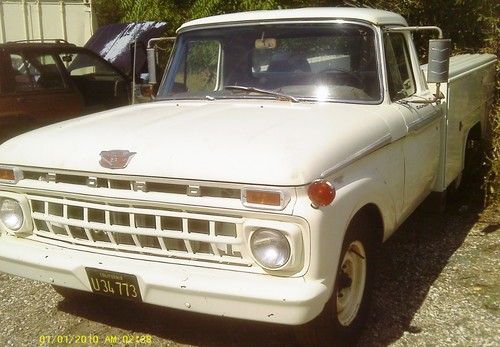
{"points": [[170, 226]]}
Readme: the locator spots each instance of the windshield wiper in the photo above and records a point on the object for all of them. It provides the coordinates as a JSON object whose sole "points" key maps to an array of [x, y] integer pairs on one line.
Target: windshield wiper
{"points": [[279, 96]]}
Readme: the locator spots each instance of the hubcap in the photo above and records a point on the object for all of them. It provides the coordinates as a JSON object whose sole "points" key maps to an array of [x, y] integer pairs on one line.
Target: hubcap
{"points": [[351, 283]]}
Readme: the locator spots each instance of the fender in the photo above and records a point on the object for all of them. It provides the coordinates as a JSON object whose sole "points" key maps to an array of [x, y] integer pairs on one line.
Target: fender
{"points": [[328, 225]]}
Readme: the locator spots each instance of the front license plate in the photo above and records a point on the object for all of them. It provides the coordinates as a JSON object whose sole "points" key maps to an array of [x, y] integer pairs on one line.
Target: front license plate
{"points": [[115, 284]]}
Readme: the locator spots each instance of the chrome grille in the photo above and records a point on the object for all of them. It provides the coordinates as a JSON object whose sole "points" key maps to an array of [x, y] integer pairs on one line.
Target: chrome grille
{"points": [[140, 230]]}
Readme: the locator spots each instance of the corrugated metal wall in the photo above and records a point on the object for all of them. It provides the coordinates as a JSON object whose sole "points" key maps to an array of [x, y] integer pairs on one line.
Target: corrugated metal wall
{"points": [[72, 20]]}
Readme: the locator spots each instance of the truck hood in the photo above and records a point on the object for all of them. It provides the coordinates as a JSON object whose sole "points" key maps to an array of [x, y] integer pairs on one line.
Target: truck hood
{"points": [[252, 142]]}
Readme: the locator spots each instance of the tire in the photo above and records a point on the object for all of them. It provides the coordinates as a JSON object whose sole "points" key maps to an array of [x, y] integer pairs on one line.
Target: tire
{"points": [[344, 314]]}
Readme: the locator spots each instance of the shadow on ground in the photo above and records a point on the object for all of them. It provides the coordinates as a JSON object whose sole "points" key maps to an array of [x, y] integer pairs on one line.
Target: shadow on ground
{"points": [[409, 264]]}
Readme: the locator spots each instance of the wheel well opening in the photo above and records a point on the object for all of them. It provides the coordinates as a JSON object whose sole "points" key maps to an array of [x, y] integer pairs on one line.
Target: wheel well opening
{"points": [[372, 215], [475, 132]]}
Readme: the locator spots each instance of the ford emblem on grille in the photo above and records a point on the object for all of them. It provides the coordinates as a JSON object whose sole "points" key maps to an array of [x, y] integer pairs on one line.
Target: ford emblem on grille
{"points": [[115, 159]]}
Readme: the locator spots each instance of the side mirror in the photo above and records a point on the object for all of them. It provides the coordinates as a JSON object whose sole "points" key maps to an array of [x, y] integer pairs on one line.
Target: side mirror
{"points": [[151, 56], [439, 60]]}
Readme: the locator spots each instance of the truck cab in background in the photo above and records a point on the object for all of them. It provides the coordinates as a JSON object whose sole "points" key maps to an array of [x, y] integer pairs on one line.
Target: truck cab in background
{"points": [[46, 82]]}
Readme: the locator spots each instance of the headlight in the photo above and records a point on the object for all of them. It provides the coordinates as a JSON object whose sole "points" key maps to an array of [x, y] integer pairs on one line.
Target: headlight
{"points": [[11, 214], [270, 248]]}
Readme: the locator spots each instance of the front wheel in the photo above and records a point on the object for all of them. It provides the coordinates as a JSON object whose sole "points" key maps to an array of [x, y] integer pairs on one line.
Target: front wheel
{"points": [[351, 283], [346, 311]]}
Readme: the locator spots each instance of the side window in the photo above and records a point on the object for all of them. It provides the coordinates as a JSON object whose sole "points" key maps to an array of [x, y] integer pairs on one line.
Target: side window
{"points": [[399, 72], [22, 80], [199, 72], [35, 72]]}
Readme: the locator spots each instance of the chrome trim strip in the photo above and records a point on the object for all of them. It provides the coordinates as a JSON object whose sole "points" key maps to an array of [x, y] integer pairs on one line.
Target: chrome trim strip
{"points": [[341, 20], [18, 174], [385, 140], [423, 122], [416, 28]]}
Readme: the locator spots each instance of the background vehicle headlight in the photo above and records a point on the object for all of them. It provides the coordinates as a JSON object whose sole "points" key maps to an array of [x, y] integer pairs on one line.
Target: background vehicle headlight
{"points": [[11, 214], [270, 248]]}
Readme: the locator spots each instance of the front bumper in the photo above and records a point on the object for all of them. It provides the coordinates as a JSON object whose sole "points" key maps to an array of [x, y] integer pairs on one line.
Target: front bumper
{"points": [[217, 292]]}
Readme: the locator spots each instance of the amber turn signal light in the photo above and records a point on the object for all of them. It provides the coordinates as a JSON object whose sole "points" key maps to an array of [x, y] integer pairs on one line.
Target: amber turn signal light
{"points": [[7, 175], [261, 197], [321, 193]]}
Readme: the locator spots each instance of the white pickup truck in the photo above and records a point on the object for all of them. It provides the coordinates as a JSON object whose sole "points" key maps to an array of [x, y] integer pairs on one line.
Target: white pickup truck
{"points": [[282, 149]]}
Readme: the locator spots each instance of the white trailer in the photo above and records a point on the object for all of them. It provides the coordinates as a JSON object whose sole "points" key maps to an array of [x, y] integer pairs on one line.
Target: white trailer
{"points": [[71, 20]]}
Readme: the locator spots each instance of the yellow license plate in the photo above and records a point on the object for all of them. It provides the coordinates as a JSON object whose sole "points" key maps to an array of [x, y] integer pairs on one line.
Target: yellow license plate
{"points": [[115, 284]]}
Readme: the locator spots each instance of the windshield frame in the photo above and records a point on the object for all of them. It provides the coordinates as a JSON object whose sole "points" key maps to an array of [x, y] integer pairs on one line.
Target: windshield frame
{"points": [[166, 79]]}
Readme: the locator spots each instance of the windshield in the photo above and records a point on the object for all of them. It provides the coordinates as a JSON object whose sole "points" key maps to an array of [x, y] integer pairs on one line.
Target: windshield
{"points": [[330, 62]]}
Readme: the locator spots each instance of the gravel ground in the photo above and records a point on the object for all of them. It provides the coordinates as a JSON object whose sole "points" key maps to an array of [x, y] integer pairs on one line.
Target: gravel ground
{"points": [[437, 285]]}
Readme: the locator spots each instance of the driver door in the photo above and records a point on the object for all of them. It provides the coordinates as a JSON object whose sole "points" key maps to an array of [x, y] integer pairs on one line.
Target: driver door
{"points": [[101, 85], [422, 141]]}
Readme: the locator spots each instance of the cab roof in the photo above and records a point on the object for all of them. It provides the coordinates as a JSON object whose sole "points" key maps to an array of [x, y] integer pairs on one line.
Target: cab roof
{"points": [[38, 44], [377, 17]]}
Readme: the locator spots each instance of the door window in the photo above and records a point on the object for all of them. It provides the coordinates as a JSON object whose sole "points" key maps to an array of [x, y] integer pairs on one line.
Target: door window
{"points": [[199, 69], [32, 72], [399, 72]]}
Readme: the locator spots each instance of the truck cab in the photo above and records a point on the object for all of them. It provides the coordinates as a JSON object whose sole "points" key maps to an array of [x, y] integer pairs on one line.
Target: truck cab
{"points": [[282, 149]]}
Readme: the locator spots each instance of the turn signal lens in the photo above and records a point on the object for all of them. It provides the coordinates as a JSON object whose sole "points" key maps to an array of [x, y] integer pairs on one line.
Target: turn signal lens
{"points": [[260, 197], [7, 175], [321, 193]]}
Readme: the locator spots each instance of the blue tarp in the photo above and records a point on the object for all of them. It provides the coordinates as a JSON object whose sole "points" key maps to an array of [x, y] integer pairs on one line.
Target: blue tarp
{"points": [[113, 43]]}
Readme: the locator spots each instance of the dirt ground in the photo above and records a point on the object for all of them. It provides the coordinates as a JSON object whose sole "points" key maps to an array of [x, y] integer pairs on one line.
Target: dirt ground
{"points": [[437, 285]]}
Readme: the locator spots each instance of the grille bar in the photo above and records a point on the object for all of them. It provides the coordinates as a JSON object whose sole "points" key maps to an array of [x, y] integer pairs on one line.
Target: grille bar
{"points": [[132, 229], [54, 220], [137, 210]]}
